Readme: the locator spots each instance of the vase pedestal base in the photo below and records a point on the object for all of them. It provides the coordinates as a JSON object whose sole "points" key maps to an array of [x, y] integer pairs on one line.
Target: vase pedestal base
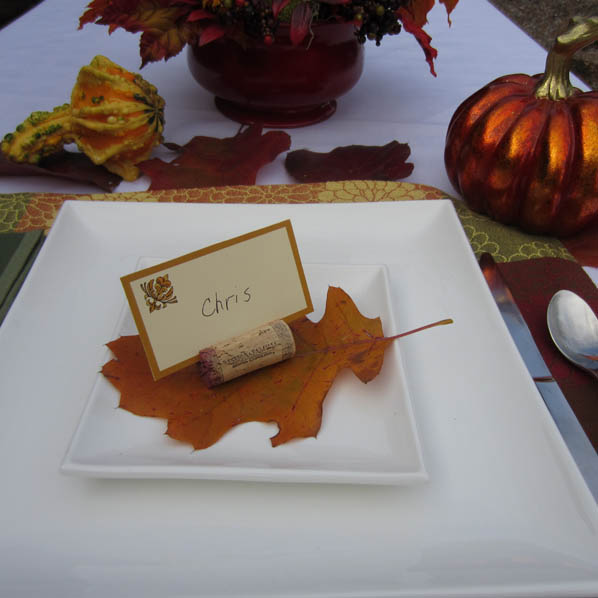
{"points": [[279, 117]]}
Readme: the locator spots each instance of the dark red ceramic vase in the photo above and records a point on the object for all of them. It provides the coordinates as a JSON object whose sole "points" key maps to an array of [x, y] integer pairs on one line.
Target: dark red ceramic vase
{"points": [[280, 85]]}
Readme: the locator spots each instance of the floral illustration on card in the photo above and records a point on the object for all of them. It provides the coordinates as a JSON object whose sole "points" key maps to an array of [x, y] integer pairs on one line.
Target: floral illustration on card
{"points": [[158, 293]]}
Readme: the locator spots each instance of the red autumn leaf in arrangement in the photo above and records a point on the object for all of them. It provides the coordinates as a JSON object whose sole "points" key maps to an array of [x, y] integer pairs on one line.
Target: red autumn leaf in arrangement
{"points": [[162, 45], [211, 33], [352, 162], [212, 162], [450, 6], [208, 32], [419, 9], [164, 26], [199, 14], [289, 393], [411, 26], [133, 15], [300, 22], [278, 5]]}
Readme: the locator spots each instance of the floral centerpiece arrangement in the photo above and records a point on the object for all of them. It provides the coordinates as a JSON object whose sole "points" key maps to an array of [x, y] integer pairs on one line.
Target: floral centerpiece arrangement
{"points": [[166, 26]]}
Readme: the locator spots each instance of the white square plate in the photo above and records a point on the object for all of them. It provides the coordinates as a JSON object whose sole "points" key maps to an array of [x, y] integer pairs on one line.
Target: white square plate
{"points": [[368, 433], [504, 512]]}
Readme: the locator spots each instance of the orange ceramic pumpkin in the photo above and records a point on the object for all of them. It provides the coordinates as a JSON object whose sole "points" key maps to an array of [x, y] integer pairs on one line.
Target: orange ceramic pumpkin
{"points": [[524, 150]]}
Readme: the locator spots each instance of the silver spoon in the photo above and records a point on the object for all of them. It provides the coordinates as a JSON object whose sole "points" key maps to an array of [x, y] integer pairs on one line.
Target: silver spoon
{"points": [[574, 330]]}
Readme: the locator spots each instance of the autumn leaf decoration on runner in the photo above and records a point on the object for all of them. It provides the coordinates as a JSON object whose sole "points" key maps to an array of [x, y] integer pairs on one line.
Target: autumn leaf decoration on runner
{"points": [[213, 162], [351, 162], [289, 393]]}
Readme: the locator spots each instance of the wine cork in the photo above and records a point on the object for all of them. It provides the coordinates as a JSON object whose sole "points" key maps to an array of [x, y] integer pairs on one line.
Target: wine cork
{"points": [[258, 348]]}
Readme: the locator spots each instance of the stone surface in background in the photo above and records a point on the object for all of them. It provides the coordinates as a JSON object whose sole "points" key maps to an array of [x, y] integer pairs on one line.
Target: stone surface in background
{"points": [[545, 19], [11, 9]]}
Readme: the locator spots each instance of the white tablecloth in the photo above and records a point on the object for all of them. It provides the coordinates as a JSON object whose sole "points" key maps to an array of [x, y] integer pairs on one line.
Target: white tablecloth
{"points": [[63, 537]]}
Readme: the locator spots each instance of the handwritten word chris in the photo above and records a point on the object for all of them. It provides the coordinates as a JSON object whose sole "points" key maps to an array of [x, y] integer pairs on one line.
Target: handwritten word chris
{"points": [[212, 306]]}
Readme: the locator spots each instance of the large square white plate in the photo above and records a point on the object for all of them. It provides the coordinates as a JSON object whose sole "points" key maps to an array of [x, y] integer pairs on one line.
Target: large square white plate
{"points": [[505, 512], [368, 433]]}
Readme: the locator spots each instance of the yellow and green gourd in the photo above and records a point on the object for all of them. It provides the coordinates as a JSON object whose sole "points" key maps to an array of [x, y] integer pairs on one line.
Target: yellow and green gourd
{"points": [[115, 117], [42, 133]]}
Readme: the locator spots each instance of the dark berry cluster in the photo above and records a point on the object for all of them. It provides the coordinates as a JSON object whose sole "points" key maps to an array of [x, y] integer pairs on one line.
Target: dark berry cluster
{"points": [[373, 19], [254, 16]]}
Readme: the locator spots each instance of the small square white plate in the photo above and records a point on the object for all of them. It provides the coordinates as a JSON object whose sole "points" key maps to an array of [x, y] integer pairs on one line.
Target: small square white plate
{"points": [[368, 433]]}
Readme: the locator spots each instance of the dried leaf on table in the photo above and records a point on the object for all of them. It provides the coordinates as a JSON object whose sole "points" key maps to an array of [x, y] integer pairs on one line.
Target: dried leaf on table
{"points": [[289, 393], [352, 162], [74, 166], [213, 162]]}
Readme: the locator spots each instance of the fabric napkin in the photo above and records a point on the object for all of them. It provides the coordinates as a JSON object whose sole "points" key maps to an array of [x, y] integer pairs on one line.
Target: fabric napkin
{"points": [[533, 283], [584, 246], [17, 254]]}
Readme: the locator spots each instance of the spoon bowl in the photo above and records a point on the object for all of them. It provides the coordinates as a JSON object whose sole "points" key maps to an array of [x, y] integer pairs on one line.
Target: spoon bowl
{"points": [[573, 327]]}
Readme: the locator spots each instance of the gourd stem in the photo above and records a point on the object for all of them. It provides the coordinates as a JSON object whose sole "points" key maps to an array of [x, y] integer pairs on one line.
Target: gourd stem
{"points": [[555, 85]]}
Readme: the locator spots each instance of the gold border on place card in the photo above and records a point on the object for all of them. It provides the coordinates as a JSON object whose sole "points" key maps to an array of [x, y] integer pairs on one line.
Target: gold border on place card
{"points": [[128, 280]]}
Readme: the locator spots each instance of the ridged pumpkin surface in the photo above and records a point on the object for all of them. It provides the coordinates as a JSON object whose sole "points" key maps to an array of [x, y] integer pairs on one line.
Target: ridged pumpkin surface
{"points": [[117, 116], [524, 160], [524, 150]]}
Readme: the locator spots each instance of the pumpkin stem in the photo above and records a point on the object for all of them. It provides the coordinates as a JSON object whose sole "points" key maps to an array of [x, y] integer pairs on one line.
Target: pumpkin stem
{"points": [[555, 85]]}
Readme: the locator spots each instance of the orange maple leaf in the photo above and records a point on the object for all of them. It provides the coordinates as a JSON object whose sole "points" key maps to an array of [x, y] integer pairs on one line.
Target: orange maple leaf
{"points": [[289, 393], [414, 16], [164, 28], [419, 9], [212, 162]]}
